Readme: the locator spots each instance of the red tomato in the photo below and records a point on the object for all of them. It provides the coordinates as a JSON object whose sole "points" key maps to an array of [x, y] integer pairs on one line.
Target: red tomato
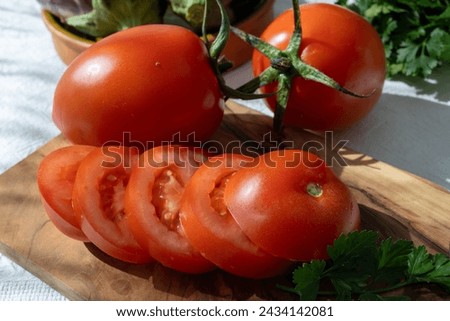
{"points": [[55, 178], [152, 203], [291, 205], [341, 44], [98, 197], [211, 229], [141, 86]]}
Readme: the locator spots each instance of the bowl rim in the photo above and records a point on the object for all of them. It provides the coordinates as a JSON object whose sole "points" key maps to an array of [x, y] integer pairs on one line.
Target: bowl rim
{"points": [[55, 27]]}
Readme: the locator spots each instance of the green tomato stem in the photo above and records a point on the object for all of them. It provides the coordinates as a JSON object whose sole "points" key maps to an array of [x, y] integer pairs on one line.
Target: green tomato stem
{"points": [[314, 189], [284, 88], [221, 40], [266, 77], [260, 45]]}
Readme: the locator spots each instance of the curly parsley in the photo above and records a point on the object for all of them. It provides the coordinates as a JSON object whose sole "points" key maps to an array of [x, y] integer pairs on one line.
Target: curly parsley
{"points": [[415, 34]]}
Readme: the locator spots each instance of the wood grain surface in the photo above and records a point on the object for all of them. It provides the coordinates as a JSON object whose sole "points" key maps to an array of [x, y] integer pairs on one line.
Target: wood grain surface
{"points": [[392, 201]]}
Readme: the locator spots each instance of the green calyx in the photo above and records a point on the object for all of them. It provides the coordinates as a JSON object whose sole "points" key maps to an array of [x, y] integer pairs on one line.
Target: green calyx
{"points": [[285, 66]]}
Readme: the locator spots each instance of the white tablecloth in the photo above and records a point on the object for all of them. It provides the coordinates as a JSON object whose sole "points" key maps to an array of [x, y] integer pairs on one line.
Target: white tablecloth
{"points": [[410, 128]]}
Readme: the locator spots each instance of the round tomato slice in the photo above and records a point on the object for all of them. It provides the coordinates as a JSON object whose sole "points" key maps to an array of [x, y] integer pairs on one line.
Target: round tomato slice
{"points": [[98, 195], [55, 178], [213, 231], [291, 205], [152, 203]]}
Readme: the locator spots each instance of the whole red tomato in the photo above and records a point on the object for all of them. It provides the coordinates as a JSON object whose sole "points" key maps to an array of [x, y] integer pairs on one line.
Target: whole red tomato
{"points": [[291, 205], [140, 86], [342, 45]]}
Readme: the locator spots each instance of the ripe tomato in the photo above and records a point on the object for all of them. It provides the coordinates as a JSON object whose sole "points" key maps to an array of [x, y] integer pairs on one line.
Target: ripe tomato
{"points": [[291, 205], [211, 229], [140, 86], [98, 194], [55, 178], [152, 203], [341, 44]]}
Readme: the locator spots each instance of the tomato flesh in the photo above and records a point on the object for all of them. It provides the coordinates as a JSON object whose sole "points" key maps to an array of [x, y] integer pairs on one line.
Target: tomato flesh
{"points": [[98, 200], [152, 205], [55, 178], [167, 192], [213, 231], [293, 222]]}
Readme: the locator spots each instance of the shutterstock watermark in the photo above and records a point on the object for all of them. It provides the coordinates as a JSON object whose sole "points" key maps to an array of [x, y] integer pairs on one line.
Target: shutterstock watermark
{"points": [[325, 147]]}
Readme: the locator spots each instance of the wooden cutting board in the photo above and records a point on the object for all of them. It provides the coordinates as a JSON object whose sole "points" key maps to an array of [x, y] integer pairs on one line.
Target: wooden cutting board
{"points": [[392, 201]]}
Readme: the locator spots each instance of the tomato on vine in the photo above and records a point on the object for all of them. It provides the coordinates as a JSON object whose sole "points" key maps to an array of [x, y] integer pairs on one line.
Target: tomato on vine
{"points": [[325, 63]]}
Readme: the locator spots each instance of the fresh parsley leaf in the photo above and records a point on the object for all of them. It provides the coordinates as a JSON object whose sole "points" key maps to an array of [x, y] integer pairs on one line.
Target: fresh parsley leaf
{"points": [[439, 44], [393, 253], [307, 279], [419, 262], [415, 34], [424, 267], [353, 246], [441, 273], [343, 289], [392, 258]]}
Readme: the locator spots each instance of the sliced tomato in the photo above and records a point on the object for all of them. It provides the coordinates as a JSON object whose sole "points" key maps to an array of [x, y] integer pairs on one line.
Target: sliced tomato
{"points": [[152, 203], [291, 204], [211, 228], [98, 200], [55, 178]]}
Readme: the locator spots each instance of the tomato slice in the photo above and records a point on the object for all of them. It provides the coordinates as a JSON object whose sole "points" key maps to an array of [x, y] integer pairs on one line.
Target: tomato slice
{"points": [[98, 200], [291, 205], [213, 231], [55, 178], [152, 203]]}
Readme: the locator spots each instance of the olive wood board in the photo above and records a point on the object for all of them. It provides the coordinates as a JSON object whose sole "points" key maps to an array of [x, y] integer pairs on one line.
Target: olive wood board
{"points": [[392, 201]]}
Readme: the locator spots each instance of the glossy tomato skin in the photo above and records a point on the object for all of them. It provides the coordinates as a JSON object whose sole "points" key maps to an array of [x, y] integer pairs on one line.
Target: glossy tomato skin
{"points": [[271, 204], [212, 230], [152, 202], [341, 44], [98, 197], [139, 86], [55, 178]]}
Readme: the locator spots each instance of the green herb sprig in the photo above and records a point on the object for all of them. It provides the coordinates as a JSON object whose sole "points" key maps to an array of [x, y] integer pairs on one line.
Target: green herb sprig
{"points": [[361, 267], [416, 34]]}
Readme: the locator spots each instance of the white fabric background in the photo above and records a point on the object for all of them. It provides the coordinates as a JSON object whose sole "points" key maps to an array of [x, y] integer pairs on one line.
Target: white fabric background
{"points": [[410, 128]]}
